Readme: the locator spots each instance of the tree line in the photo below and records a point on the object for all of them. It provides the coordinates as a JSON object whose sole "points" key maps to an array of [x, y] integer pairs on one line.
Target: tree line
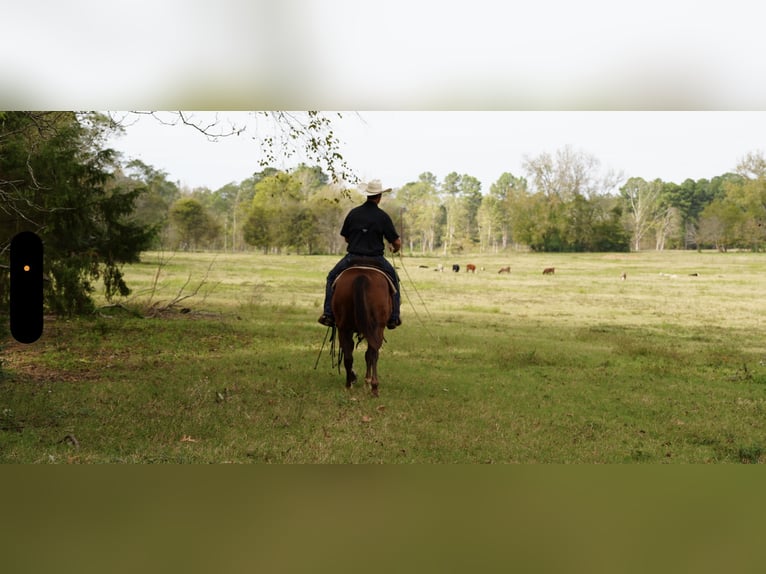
{"points": [[97, 211], [563, 202]]}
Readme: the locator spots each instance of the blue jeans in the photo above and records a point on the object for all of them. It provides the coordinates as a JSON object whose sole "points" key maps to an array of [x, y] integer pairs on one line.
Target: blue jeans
{"points": [[344, 264]]}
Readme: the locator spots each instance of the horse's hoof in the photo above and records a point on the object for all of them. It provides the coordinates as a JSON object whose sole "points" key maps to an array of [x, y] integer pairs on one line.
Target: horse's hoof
{"points": [[375, 391]]}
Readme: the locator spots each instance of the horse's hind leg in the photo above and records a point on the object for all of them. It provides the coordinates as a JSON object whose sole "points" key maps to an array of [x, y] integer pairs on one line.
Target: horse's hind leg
{"points": [[371, 377], [346, 340]]}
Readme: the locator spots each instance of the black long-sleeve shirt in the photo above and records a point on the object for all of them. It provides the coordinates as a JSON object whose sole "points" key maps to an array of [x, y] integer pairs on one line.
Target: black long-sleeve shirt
{"points": [[365, 227]]}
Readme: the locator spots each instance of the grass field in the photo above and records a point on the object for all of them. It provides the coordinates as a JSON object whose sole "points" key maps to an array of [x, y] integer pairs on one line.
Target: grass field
{"points": [[212, 360]]}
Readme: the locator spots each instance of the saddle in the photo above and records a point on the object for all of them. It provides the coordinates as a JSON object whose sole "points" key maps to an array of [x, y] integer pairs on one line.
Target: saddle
{"points": [[361, 262]]}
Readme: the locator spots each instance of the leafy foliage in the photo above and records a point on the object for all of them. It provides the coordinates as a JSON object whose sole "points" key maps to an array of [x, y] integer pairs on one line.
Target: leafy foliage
{"points": [[286, 209], [193, 222], [59, 181]]}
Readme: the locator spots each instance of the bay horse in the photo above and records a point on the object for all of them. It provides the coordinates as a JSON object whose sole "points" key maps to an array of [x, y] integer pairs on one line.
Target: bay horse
{"points": [[361, 304]]}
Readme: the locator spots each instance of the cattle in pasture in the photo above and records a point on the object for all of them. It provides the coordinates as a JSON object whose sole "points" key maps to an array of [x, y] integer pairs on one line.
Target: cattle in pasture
{"points": [[456, 267], [422, 266], [439, 267], [549, 271], [505, 269], [470, 268], [624, 276]]}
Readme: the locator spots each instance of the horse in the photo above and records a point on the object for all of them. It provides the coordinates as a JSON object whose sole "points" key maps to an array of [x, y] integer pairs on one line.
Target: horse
{"points": [[361, 304]]}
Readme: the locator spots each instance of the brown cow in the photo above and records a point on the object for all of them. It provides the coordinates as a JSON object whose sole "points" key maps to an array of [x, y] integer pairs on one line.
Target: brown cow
{"points": [[505, 270], [470, 268], [549, 271]]}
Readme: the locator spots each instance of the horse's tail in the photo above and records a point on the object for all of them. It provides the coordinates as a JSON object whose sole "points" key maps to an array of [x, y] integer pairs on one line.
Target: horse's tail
{"points": [[366, 322]]}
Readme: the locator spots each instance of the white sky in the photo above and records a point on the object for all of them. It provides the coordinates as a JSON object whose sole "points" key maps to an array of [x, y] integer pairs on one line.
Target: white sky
{"points": [[397, 146], [534, 57], [399, 54]]}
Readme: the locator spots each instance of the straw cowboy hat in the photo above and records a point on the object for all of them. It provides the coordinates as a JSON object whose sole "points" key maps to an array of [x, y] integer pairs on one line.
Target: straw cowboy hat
{"points": [[374, 187]]}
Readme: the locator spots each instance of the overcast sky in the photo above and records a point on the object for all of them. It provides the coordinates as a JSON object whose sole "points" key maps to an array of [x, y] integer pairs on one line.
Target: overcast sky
{"points": [[399, 54], [397, 146], [403, 55]]}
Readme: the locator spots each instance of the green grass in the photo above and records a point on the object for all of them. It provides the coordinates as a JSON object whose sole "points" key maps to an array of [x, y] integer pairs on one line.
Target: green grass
{"points": [[578, 367]]}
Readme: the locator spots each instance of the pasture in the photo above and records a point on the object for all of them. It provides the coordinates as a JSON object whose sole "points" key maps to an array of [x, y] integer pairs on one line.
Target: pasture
{"points": [[212, 360]]}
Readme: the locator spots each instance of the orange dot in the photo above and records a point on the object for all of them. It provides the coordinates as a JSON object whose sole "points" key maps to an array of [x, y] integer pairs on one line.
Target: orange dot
{"points": [[26, 267]]}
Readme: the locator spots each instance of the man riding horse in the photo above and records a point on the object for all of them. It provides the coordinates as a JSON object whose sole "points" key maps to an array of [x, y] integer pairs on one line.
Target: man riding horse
{"points": [[364, 229]]}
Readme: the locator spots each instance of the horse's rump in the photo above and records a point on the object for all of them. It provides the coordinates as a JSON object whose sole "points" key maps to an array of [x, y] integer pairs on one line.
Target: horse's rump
{"points": [[361, 302]]}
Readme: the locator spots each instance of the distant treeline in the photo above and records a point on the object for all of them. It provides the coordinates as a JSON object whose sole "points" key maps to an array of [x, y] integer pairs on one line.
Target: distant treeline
{"points": [[562, 203]]}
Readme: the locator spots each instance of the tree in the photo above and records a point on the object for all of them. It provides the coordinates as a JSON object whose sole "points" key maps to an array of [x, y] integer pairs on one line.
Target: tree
{"points": [[461, 198], [193, 223], [608, 231], [275, 210], [503, 208], [737, 216], [58, 180], [223, 204], [719, 224], [329, 208], [667, 223], [569, 173], [687, 199], [157, 194], [567, 201], [753, 166], [642, 199], [450, 190], [470, 195], [421, 203], [489, 220]]}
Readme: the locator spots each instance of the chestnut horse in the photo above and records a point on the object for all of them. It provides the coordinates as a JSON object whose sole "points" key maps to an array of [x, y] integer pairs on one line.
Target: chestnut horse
{"points": [[361, 305]]}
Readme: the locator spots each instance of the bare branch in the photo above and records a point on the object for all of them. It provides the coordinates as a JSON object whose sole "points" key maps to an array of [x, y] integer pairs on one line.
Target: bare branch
{"points": [[157, 309], [289, 134], [212, 130]]}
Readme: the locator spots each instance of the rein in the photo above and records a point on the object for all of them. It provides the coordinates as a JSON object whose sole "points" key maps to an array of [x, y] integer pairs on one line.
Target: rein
{"points": [[330, 331], [409, 300]]}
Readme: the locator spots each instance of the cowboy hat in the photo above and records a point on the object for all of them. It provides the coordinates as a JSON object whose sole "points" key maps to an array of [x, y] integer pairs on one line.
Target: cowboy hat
{"points": [[374, 187]]}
